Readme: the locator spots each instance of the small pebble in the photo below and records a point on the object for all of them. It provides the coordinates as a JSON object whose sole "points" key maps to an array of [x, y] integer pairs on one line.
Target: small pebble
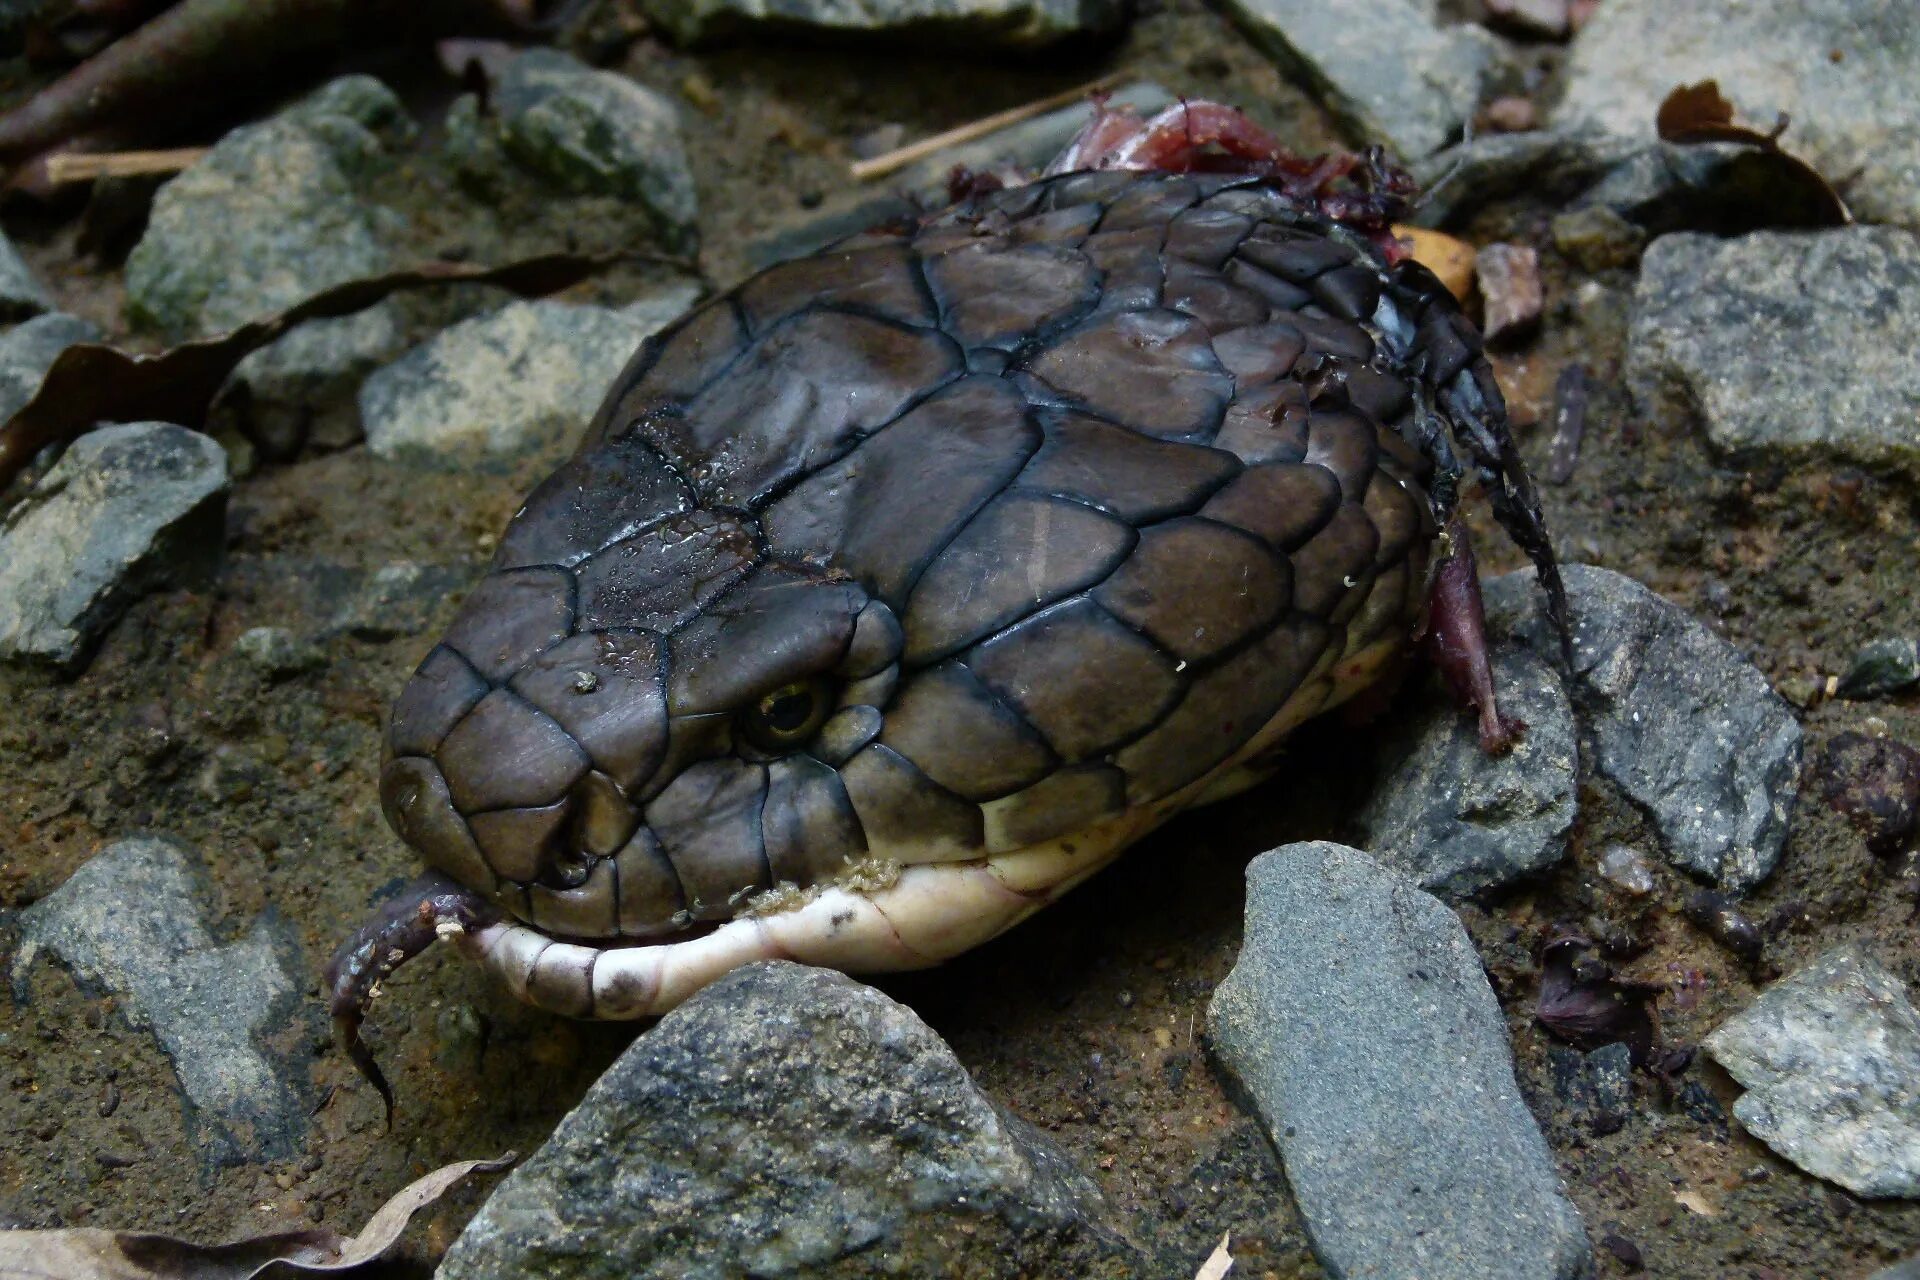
{"points": [[1890, 665], [1511, 114], [1624, 867], [1875, 781], [1510, 284], [1725, 923]]}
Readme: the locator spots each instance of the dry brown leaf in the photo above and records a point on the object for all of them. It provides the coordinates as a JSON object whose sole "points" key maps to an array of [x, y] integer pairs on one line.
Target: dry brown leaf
{"points": [[84, 1253], [1696, 113], [90, 382], [1218, 1263], [1450, 259]]}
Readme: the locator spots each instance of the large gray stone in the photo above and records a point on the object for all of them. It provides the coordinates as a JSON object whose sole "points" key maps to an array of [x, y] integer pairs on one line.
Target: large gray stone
{"points": [[133, 922], [128, 509], [28, 350], [789, 1121], [1830, 1058], [1359, 1021], [1842, 69], [1679, 720], [1785, 344], [1460, 821], [522, 380], [272, 216], [938, 24], [1385, 67], [581, 133]]}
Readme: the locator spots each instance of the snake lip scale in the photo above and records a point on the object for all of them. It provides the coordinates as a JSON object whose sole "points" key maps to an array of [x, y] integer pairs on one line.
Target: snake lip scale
{"points": [[895, 591]]}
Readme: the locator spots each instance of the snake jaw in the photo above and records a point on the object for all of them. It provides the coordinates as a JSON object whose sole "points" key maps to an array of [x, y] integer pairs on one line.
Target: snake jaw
{"points": [[428, 908]]}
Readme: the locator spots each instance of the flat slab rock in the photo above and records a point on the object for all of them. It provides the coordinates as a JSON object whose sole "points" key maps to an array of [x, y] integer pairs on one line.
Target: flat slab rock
{"points": [[1385, 67], [1785, 344], [1358, 1019], [1678, 719], [133, 921], [518, 381], [791, 1121], [1460, 821], [1013, 24], [126, 510], [1841, 69], [1830, 1058]]}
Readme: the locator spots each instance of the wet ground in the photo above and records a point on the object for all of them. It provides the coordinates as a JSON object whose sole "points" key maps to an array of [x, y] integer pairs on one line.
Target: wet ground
{"points": [[1088, 1020]]}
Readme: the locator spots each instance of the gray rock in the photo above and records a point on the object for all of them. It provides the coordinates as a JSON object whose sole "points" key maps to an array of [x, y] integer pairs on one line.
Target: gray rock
{"points": [[1908, 1270], [1785, 344], [1889, 665], [133, 922], [1830, 1058], [128, 509], [1596, 1087], [1852, 114], [21, 293], [1459, 821], [1678, 719], [936, 24], [1551, 164], [582, 132], [1359, 1021], [1387, 69], [522, 380], [28, 350], [278, 653], [272, 216], [403, 598], [789, 1121]]}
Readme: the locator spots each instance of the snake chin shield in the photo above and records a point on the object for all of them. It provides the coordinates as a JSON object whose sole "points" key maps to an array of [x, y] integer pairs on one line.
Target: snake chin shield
{"points": [[894, 592]]}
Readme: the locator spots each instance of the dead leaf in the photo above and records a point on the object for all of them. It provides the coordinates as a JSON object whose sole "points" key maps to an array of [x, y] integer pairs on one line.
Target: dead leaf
{"points": [[1218, 1263], [1447, 257], [1697, 113], [1584, 1003], [85, 1253], [91, 382]]}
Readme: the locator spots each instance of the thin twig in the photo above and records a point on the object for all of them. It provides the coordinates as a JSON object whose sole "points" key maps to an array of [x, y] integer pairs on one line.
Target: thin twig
{"points": [[79, 166], [900, 157]]}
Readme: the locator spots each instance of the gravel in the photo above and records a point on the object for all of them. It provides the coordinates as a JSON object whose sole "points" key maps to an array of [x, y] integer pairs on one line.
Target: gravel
{"points": [[516, 382], [1385, 67], [789, 1121], [1459, 821], [1830, 1058], [1359, 1021], [1677, 719], [1784, 344], [133, 922], [1885, 666], [127, 510]]}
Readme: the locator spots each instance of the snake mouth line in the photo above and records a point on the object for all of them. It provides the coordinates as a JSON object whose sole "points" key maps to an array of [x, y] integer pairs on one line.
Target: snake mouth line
{"points": [[928, 913]]}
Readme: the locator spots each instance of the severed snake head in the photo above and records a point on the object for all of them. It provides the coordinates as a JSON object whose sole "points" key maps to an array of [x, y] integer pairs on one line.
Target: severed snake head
{"points": [[895, 591]]}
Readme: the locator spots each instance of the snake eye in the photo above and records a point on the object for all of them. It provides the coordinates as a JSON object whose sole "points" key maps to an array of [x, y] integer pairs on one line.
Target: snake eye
{"points": [[788, 716]]}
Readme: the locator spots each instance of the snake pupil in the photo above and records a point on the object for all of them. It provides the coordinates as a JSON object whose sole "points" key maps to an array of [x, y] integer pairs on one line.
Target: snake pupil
{"points": [[789, 712]]}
